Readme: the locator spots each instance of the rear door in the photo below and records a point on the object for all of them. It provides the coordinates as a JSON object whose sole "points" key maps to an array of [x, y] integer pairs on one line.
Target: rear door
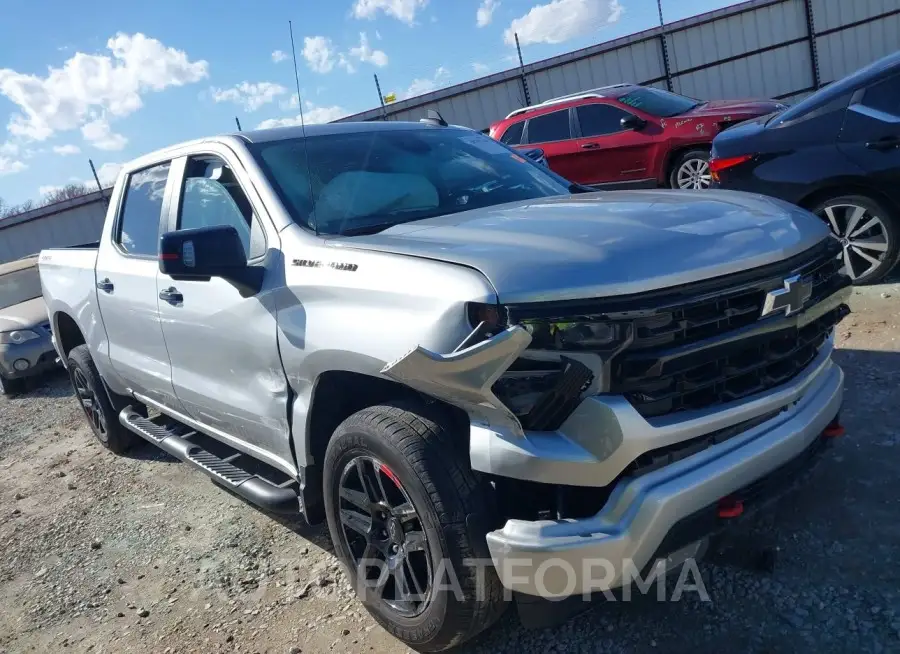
{"points": [[127, 265], [612, 154], [552, 132], [226, 368], [871, 132]]}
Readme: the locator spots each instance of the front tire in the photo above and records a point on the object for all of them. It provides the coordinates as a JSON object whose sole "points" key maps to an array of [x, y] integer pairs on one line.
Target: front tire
{"points": [[91, 395], [399, 494], [691, 171], [868, 232], [11, 386]]}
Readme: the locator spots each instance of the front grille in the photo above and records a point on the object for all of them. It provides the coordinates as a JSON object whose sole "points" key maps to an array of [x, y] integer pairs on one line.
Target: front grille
{"points": [[705, 343], [706, 377]]}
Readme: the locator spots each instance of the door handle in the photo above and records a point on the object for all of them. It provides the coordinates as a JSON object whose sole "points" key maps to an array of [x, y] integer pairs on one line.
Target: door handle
{"points": [[105, 285], [887, 143], [589, 146], [171, 295]]}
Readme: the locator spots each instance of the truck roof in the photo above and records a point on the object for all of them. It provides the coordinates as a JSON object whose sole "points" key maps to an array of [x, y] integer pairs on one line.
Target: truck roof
{"points": [[283, 133]]}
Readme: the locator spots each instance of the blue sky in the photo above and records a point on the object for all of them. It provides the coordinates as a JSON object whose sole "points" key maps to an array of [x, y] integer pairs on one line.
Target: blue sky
{"points": [[112, 80]]}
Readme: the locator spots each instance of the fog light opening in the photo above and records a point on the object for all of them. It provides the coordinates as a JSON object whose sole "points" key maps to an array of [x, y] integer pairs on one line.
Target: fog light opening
{"points": [[21, 365]]}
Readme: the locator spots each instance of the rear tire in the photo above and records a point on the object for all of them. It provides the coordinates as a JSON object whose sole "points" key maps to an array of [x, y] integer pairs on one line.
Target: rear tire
{"points": [[691, 171], [409, 459], [11, 386], [90, 393], [869, 254]]}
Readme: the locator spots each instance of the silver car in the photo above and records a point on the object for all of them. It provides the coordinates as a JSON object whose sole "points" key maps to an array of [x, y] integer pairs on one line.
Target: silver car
{"points": [[25, 345]]}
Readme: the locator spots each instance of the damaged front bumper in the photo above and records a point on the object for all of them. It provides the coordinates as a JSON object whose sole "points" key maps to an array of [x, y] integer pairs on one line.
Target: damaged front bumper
{"points": [[464, 378]]}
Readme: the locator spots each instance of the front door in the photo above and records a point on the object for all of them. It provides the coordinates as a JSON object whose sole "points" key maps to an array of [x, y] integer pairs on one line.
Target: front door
{"points": [[127, 267], [226, 369], [871, 132], [613, 154]]}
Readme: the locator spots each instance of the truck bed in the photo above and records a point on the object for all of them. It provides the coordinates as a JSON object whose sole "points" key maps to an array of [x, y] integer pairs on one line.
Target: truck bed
{"points": [[68, 279]]}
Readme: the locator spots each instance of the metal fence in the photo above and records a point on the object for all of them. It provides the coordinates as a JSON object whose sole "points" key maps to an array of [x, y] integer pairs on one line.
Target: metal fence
{"points": [[781, 49]]}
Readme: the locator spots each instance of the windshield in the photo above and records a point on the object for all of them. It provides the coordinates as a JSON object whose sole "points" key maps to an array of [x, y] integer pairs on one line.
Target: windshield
{"points": [[368, 181], [20, 286], [658, 103]]}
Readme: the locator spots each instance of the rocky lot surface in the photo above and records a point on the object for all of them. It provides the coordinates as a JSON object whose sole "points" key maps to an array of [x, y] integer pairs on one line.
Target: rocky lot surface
{"points": [[140, 554]]}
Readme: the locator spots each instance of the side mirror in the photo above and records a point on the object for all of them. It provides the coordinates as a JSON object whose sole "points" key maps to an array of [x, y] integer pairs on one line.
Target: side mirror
{"points": [[206, 252], [633, 122], [536, 155]]}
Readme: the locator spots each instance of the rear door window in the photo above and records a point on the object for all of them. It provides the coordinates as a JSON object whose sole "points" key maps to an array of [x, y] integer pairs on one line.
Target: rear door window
{"points": [[513, 135], [549, 127], [138, 233]]}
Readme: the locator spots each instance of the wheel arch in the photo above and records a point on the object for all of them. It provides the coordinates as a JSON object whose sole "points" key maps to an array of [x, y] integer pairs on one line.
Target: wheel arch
{"points": [[675, 154], [338, 394], [848, 187], [68, 333]]}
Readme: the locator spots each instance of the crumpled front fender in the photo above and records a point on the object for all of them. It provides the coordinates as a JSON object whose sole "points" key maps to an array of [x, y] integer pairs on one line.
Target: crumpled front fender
{"points": [[465, 378]]}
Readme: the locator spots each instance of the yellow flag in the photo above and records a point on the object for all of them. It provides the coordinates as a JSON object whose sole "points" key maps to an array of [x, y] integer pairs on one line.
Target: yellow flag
{"points": [[390, 97]]}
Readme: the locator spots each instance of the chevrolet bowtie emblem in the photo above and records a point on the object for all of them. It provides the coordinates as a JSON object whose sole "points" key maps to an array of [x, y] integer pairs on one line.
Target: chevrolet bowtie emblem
{"points": [[790, 299]]}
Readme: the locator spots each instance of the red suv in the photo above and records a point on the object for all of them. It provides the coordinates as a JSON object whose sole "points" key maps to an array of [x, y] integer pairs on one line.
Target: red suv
{"points": [[628, 136]]}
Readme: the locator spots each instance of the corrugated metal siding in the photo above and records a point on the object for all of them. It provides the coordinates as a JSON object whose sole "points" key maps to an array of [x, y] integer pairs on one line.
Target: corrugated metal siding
{"points": [[831, 14], [735, 35], [770, 74], [48, 228], [841, 53]]}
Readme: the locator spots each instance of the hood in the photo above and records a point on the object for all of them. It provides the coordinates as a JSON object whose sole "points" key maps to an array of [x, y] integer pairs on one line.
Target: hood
{"points": [[606, 244], [744, 108], [26, 315]]}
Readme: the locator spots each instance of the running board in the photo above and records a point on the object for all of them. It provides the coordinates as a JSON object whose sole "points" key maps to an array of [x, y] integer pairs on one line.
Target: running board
{"points": [[174, 439]]}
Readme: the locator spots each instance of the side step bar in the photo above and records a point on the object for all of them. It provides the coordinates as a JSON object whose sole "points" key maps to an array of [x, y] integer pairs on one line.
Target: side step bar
{"points": [[174, 440]]}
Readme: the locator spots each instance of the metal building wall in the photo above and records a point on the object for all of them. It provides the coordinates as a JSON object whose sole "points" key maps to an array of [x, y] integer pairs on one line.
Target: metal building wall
{"points": [[760, 48], [72, 222]]}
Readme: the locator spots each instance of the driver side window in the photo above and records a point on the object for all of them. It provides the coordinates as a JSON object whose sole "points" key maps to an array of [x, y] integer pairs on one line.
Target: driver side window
{"points": [[212, 196]]}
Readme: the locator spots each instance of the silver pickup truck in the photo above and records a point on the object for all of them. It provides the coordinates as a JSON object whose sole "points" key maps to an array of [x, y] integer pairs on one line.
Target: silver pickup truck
{"points": [[451, 354]]}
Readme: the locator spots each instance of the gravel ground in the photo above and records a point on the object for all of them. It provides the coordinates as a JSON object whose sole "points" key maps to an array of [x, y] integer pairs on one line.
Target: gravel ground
{"points": [[140, 554]]}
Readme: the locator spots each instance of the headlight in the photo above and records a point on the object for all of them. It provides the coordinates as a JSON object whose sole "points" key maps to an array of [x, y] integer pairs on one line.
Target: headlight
{"points": [[18, 336], [572, 335]]}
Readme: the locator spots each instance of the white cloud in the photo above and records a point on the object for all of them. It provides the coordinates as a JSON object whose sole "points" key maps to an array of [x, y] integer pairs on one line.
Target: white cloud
{"points": [[66, 149], [421, 86], [479, 68], [366, 54], [98, 133], [485, 12], [9, 149], [291, 103], [250, 96], [44, 190], [279, 55], [107, 174], [312, 115], [345, 63], [561, 20], [377, 35], [319, 53], [9, 166], [86, 85], [402, 10]]}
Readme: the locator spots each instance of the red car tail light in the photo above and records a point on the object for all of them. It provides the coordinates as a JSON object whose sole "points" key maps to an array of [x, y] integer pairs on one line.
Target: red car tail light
{"points": [[718, 165]]}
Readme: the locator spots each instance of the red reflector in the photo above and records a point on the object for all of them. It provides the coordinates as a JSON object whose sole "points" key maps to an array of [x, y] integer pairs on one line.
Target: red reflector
{"points": [[718, 165], [168, 256], [834, 431], [390, 475], [729, 508]]}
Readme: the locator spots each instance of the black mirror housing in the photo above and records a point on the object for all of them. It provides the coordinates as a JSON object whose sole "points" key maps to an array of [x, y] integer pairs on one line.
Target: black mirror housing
{"points": [[206, 252], [633, 122]]}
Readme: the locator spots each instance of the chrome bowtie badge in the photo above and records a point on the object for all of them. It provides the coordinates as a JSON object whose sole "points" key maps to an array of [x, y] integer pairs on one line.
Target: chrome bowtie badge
{"points": [[790, 299]]}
